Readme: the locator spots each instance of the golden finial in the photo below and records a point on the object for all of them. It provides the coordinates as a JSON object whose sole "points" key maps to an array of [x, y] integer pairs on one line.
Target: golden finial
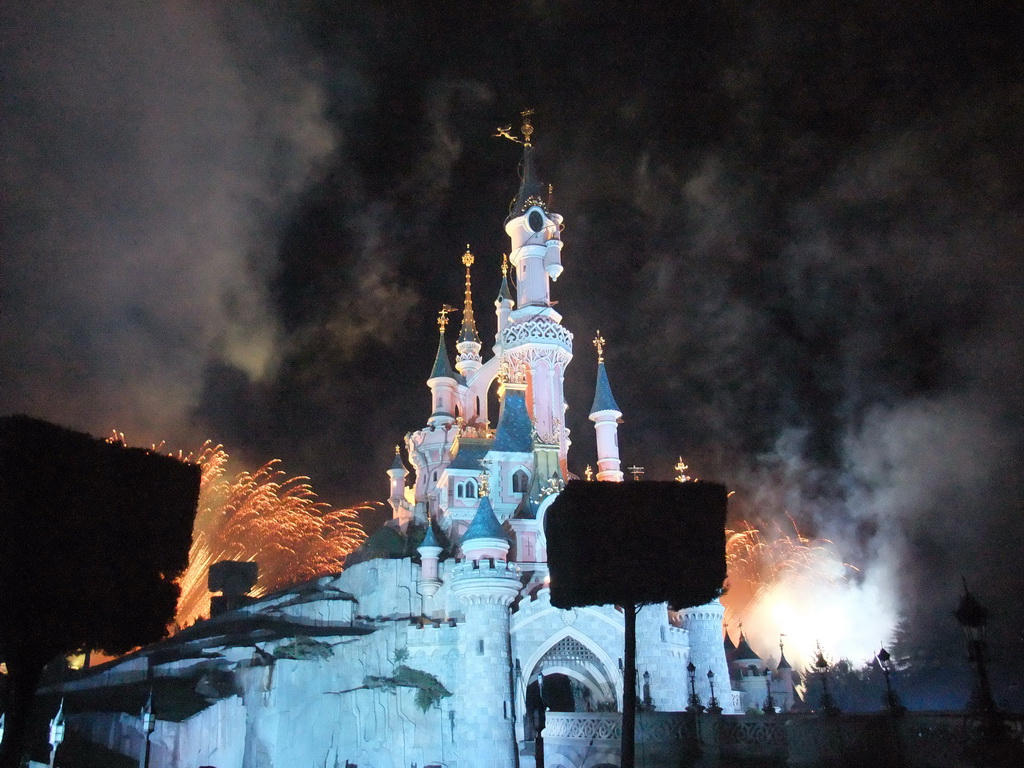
{"points": [[397, 452], [527, 126], [589, 472], [467, 259], [599, 342], [504, 265], [442, 316], [681, 467]]}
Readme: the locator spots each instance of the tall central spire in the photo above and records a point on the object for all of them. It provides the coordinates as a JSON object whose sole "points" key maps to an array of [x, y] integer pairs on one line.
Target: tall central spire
{"points": [[468, 345], [468, 321]]}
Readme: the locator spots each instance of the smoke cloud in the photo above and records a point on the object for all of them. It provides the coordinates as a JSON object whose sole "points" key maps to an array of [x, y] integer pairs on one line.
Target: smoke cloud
{"points": [[149, 153]]}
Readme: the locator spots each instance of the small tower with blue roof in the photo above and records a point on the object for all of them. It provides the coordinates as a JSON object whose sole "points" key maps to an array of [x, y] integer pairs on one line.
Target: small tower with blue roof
{"points": [[606, 416], [396, 476], [443, 381], [486, 583]]}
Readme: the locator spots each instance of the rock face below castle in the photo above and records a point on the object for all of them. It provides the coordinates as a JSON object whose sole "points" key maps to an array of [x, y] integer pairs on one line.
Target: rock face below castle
{"points": [[438, 645]]}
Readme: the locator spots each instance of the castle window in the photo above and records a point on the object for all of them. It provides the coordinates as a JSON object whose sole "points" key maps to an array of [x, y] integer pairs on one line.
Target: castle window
{"points": [[480, 647], [460, 490], [470, 489], [520, 481]]}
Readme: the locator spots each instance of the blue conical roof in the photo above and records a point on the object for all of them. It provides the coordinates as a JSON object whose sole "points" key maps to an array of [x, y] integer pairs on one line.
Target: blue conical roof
{"points": [[397, 463], [442, 365], [603, 398], [484, 525], [515, 429], [744, 652], [531, 192], [783, 664], [504, 294], [429, 539]]}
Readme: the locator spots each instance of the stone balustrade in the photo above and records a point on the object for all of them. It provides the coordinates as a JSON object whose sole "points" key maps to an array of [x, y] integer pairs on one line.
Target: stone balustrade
{"points": [[677, 739]]}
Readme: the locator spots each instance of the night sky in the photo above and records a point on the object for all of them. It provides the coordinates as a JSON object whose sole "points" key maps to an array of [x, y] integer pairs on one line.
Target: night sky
{"points": [[799, 226]]}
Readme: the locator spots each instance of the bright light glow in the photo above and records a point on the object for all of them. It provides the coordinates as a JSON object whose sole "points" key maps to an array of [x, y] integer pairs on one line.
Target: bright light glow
{"points": [[792, 586]]}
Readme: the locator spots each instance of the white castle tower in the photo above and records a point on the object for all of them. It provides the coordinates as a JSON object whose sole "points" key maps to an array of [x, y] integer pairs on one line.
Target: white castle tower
{"points": [[704, 625], [486, 583]]}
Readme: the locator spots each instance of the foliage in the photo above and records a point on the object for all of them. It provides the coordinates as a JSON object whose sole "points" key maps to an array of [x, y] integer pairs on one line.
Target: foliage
{"points": [[669, 548], [302, 648], [429, 690]]}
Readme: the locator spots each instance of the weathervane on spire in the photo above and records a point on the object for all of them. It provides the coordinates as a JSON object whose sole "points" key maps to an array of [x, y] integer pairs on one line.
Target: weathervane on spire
{"points": [[505, 131], [599, 342], [442, 316], [504, 265]]}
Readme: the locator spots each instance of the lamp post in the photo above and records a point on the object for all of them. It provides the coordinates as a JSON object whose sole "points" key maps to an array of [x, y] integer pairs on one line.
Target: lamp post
{"points": [[972, 617], [56, 732], [713, 707], [148, 726], [891, 700], [694, 706], [828, 704], [769, 702]]}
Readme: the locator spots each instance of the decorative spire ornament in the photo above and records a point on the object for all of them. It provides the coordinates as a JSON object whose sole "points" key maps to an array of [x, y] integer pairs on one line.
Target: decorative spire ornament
{"points": [[680, 468], [442, 316], [599, 342], [468, 344]]}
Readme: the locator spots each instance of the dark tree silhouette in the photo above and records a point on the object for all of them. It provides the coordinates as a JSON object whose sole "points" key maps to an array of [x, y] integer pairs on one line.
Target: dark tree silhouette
{"points": [[632, 543], [94, 535]]}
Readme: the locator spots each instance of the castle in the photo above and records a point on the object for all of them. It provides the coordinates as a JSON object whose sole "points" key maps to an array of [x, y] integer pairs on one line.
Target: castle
{"points": [[438, 643]]}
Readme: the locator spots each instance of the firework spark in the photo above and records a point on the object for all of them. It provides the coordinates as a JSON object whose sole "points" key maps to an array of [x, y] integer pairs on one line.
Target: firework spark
{"points": [[788, 584], [261, 516]]}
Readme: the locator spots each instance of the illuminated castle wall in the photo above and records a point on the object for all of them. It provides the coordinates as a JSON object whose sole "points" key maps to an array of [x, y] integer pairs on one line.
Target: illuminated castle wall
{"points": [[472, 611]]}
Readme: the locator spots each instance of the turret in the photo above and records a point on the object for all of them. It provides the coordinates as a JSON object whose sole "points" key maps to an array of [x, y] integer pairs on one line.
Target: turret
{"points": [[430, 553], [443, 381], [704, 625], [606, 415], [784, 674], [503, 304], [536, 241], [486, 584], [468, 345], [397, 474]]}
